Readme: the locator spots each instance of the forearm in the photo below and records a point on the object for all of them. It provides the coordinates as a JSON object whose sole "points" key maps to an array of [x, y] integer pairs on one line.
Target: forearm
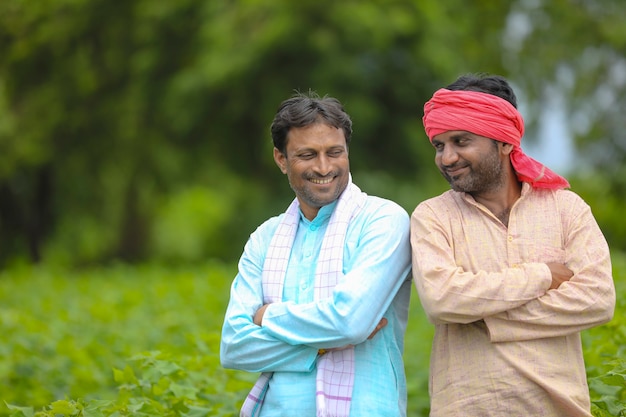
{"points": [[248, 347], [507, 327], [467, 297], [457, 286], [327, 325], [586, 300], [346, 318]]}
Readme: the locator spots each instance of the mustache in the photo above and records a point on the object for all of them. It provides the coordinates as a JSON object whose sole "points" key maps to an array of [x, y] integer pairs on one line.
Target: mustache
{"points": [[454, 166], [321, 177]]}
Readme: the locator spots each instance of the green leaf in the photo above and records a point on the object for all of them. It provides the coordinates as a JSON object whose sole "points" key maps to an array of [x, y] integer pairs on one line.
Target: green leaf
{"points": [[603, 388], [184, 391], [17, 411], [64, 407], [126, 376], [196, 411]]}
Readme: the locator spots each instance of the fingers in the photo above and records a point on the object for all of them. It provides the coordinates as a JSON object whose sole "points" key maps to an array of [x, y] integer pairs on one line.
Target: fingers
{"points": [[258, 316], [560, 274], [382, 323]]}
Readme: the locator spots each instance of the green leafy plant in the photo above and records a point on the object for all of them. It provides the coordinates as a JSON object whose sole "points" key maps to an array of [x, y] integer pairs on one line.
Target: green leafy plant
{"points": [[144, 341], [154, 384], [609, 390]]}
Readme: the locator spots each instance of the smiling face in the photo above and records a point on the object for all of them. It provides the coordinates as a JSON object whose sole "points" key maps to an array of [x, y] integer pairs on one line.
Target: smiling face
{"points": [[471, 163], [316, 164]]}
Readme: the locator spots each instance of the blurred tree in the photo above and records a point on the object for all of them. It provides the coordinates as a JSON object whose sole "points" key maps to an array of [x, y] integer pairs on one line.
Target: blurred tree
{"points": [[576, 49], [574, 52], [109, 110]]}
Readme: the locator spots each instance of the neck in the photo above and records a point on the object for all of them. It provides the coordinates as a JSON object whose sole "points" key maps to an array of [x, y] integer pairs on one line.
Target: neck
{"points": [[500, 201]]}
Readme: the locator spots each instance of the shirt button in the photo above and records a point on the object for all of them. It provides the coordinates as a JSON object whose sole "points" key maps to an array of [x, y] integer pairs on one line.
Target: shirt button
{"points": [[313, 227], [510, 238]]}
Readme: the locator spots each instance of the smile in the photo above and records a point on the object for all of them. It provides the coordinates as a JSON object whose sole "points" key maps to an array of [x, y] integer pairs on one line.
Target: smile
{"points": [[321, 181], [455, 171]]}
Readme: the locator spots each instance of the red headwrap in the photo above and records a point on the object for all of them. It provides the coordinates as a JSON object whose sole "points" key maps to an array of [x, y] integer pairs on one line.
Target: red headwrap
{"points": [[492, 117]]}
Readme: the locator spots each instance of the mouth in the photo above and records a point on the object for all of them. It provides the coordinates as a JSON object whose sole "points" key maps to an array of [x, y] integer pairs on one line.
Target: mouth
{"points": [[322, 181], [454, 172]]}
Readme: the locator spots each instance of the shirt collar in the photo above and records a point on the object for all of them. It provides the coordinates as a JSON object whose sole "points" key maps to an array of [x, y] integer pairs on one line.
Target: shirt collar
{"points": [[526, 190], [323, 215]]}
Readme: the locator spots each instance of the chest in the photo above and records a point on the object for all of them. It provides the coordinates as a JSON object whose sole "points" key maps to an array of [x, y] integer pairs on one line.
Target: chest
{"points": [[481, 242]]}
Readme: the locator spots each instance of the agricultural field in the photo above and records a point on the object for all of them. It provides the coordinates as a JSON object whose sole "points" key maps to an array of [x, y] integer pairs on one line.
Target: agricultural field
{"points": [[144, 341]]}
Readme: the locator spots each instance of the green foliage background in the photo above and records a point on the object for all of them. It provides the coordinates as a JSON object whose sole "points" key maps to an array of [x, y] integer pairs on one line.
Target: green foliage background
{"points": [[144, 340]]}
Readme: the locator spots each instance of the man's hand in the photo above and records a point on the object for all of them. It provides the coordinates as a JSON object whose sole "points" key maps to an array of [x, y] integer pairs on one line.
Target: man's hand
{"points": [[382, 323], [560, 274], [258, 316]]}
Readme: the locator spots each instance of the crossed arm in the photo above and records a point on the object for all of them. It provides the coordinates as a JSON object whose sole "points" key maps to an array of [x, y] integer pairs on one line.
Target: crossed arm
{"points": [[258, 320], [556, 296], [286, 336]]}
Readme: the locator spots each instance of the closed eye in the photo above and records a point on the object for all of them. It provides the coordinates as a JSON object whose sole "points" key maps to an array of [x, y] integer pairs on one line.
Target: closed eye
{"points": [[438, 146]]}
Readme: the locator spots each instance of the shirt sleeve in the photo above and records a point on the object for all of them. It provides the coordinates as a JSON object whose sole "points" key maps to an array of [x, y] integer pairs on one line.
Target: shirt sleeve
{"points": [[585, 301], [447, 292], [244, 345], [377, 268]]}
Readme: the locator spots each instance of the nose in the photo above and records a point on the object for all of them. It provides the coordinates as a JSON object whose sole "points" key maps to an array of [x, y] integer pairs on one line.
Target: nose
{"points": [[448, 156], [323, 165]]}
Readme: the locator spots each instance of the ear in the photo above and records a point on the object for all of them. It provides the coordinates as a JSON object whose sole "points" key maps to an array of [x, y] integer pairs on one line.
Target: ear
{"points": [[506, 148], [281, 160]]}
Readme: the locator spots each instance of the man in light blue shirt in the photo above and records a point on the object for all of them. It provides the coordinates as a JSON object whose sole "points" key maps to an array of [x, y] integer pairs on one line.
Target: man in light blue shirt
{"points": [[308, 326]]}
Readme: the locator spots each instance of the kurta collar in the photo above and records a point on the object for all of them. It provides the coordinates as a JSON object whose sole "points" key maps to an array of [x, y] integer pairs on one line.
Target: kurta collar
{"points": [[323, 215], [526, 190]]}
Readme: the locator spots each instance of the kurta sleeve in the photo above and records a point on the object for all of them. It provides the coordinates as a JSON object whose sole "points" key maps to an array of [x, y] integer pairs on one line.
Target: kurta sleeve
{"points": [[379, 263], [449, 292], [244, 345], [585, 301]]}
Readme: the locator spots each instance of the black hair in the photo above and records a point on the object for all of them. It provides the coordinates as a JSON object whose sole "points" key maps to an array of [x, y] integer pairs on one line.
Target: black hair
{"points": [[304, 109], [484, 83]]}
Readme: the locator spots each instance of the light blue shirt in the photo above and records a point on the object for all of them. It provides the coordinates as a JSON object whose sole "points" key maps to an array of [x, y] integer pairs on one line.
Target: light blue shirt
{"points": [[376, 264]]}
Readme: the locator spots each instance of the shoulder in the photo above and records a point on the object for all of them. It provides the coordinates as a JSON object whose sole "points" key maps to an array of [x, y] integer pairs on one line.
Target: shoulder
{"points": [[570, 208], [566, 200], [380, 215], [382, 207], [439, 205], [262, 235], [573, 208], [570, 197]]}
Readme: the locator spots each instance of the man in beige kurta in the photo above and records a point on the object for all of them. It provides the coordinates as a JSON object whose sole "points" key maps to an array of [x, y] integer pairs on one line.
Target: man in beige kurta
{"points": [[509, 265]]}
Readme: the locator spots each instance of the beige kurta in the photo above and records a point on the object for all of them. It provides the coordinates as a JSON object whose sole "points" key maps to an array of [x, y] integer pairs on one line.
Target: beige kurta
{"points": [[504, 344]]}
